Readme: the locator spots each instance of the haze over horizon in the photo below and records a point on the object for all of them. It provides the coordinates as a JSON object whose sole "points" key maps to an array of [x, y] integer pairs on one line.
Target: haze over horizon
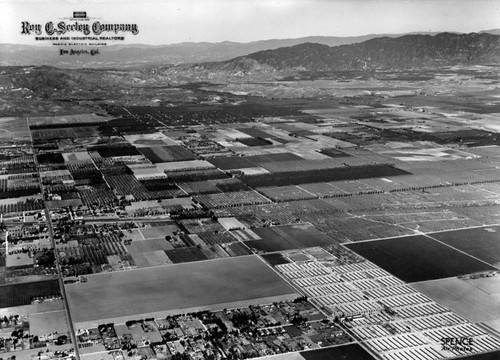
{"points": [[175, 21]]}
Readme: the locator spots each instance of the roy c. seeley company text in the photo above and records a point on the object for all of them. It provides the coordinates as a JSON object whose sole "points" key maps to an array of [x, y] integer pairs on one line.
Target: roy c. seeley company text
{"points": [[62, 28]]}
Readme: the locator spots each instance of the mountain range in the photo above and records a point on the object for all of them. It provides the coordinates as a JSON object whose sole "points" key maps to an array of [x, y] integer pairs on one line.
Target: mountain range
{"points": [[403, 52], [138, 54], [408, 51]]}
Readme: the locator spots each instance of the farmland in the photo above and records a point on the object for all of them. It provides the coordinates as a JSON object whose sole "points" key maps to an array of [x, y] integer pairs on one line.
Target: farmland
{"points": [[25, 293], [418, 258], [347, 352], [287, 237], [474, 298], [196, 285], [482, 243]]}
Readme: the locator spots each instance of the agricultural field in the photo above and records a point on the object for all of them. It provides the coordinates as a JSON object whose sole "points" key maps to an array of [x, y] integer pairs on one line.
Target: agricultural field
{"points": [[476, 298], [375, 195], [149, 140], [67, 120], [278, 238], [12, 128], [320, 175], [25, 293], [482, 243], [167, 154], [418, 258], [347, 352], [194, 285], [419, 151]]}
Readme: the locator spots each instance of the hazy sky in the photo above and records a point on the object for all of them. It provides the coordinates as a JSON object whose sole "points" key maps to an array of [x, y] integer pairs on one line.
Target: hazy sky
{"points": [[173, 21]]}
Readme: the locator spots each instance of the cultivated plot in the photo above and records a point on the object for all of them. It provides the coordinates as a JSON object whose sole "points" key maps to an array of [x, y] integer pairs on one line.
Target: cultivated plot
{"points": [[418, 258], [288, 237], [482, 243], [344, 352], [171, 287], [477, 300]]}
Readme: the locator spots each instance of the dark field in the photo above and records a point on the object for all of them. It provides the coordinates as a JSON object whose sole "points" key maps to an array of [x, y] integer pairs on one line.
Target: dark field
{"points": [[238, 249], [196, 175], [418, 258], [275, 259], [495, 355], [254, 141], [290, 237], [483, 243], [255, 132], [320, 175], [50, 158], [167, 154], [345, 352], [331, 152], [111, 151], [258, 159], [185, 255], [24, 293]]}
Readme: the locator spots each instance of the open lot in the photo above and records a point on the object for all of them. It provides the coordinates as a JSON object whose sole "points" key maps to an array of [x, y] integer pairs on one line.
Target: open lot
{"points": [[477, 300], [48, 322], [172, 287], [418, 258], [483, 243]]}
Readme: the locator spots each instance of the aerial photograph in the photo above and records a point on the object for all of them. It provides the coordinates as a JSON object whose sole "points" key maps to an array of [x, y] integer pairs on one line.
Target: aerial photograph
{"points": [[236, 179]]}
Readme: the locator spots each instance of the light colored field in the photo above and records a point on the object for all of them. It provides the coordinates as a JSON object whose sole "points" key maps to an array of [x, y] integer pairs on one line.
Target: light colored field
{"points": [[63, 203], [149, 140], [150, 245], [184, 165], [76, 156], [253, 171], [477, 300], [230, 223], [47, 306], [142, 205], [232, 134], [148, 173], [495, 325], [13, 128], [152, 258], [158, 231], [21, 259], [185, 202], [133, 235], [286, 356], [48, 322], [174, 288], [67, 119], [487, 122], [104, 355], [54, 173], [419, 151]]}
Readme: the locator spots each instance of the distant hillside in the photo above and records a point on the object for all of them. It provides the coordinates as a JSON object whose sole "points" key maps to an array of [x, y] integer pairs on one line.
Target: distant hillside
{"points": [[129, 55], [402, 52], [409, 51]]}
